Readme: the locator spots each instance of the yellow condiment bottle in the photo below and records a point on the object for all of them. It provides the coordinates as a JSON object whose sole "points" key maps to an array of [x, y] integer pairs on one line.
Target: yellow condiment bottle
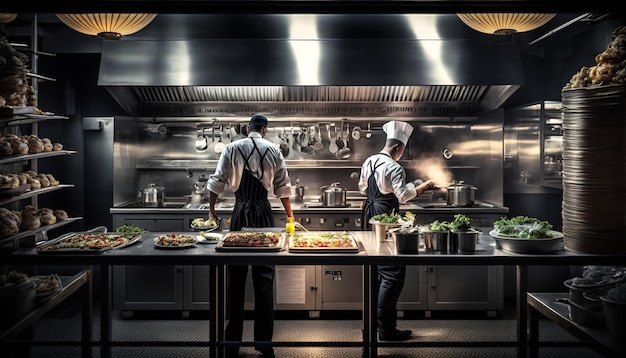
{"points": [[290, 227]]}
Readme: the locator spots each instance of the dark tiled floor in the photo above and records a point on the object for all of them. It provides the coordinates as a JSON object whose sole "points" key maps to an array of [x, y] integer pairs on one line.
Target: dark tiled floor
{"points": [[64, 324]]}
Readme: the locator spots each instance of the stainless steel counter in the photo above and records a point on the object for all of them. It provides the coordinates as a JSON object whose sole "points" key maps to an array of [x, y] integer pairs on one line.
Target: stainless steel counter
{"points": [[373, 253]]}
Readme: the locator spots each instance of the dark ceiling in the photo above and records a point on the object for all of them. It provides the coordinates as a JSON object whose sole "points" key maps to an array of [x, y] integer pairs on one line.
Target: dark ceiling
{"points": [[319, 6]]}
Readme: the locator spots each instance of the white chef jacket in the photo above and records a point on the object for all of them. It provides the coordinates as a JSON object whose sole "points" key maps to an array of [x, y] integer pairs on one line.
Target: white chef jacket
{"points": [[390, 177], [231, 165]]}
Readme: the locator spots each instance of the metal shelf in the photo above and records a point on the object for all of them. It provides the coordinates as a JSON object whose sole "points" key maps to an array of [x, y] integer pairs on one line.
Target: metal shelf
{"points": [[43, 228], [19, 158], [32, 193]]}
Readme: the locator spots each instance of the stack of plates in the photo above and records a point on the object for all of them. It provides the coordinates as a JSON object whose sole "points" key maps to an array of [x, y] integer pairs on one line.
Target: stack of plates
{"points": [[594, 169]]}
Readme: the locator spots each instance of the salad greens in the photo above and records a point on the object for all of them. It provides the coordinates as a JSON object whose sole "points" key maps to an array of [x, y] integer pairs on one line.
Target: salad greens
{"points": [[393, 218], [523, 227], [461, 223], [439, 226], [129, 229]]}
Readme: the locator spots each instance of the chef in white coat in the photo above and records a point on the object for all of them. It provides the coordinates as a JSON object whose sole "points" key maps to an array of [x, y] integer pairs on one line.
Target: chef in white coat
{"points": [[383, 181]]}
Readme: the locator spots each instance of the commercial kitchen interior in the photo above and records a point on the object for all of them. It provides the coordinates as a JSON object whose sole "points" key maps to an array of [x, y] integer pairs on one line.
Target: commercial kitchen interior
{"points": [[90, 90]]}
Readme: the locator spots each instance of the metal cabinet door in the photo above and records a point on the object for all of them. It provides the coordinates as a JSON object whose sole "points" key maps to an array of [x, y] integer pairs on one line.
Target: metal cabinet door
{"points": [[341, 287], [295, 288], [148, 287], [465, 287], [165, 223], [414, 295], [197, 291]]}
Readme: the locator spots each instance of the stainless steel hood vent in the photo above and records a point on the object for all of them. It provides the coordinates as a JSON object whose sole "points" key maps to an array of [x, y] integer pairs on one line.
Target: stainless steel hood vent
{"points": [[392, 78]]}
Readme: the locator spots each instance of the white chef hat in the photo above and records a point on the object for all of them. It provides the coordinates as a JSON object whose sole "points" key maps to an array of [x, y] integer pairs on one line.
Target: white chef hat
{"points": [[398, 130]]}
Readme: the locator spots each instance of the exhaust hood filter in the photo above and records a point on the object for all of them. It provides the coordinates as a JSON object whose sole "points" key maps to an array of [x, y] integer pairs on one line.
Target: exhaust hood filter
{"points": [[359, 78]]}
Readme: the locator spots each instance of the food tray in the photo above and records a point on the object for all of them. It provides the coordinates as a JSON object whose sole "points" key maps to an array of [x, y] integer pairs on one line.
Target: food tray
{"points": [[47, 294], [52, 246], [177, 246], [323, 241], [250, 237], [528, 246]]}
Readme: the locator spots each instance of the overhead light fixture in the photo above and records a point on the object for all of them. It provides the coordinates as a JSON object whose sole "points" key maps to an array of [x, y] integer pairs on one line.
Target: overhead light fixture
{"points": [[108, 26], [4, 18], [504, 23]]}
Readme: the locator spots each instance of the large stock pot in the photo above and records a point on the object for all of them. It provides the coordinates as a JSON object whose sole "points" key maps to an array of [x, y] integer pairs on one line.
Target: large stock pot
{"points": [[334, 195], [152, 195], [460, 194]]}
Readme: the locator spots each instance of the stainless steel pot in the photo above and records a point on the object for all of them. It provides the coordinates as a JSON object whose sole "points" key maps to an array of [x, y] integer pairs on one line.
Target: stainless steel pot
{"points": [[152, 195], [334, 195], [460, 194]]}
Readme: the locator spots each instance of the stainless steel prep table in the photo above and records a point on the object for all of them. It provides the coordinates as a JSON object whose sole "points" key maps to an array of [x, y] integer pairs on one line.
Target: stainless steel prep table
{"points": [[373, 253]]}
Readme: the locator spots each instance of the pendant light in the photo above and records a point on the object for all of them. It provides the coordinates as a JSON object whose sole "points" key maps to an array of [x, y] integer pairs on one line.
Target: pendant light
{"points": [[505, 23], [108, 26], [5, 17]]}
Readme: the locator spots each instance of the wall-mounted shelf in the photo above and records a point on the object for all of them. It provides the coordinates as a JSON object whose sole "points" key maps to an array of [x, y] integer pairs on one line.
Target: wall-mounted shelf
{"points": [[34, 192], [18, 119], [19, 158], [43, 228]]}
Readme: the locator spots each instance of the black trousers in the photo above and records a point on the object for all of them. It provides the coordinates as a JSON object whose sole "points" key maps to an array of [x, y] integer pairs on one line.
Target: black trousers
{"points": [[390, 284], [263, 281]]}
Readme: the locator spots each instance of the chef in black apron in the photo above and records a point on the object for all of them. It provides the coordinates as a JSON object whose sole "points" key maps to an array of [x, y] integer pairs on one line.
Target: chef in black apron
{"points": [[383, 181], [251, 166]]}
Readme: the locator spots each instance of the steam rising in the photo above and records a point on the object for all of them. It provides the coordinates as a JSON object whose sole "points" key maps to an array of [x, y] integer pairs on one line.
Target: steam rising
{"points": [[434, 168]]}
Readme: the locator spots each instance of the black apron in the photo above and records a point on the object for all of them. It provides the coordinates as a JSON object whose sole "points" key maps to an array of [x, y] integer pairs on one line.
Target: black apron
{"points": [[252, 208], [377, 202]]}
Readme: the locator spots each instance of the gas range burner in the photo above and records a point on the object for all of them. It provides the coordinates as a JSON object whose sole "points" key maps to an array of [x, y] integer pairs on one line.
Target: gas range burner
{"points": [[447, 206], [321, 206]]}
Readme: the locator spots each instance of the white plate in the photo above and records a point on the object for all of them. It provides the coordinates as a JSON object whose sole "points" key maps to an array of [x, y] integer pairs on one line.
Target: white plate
{"points": [[204, 240], [207, 228]]}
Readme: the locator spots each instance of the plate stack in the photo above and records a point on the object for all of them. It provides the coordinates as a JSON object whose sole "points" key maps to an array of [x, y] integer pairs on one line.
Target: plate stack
{"points": [[594, 169]]}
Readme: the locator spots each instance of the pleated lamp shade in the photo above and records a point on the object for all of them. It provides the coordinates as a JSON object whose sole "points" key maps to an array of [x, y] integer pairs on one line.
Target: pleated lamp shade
{"points": [[110, 26], [505, 23], [4, 18]]}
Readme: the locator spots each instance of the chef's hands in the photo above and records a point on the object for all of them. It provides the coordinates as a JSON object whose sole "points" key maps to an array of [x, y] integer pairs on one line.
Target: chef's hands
{"points": [[421, 186], [213, 221], [430, 185]]}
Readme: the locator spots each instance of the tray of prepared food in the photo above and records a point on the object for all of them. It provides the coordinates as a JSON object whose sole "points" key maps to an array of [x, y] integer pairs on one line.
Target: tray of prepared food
{"points": [[46, 286], [323, 241], [174, 241], [87, 242], [251, 241]]}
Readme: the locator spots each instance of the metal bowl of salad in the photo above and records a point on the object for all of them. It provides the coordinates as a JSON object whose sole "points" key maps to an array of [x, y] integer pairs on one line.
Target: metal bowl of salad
{"points": [[525, 235]]}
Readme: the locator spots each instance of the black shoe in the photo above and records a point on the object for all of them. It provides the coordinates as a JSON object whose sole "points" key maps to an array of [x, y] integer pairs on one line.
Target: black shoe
{"points": [[395, 335], [266, 352], [231, 352]]}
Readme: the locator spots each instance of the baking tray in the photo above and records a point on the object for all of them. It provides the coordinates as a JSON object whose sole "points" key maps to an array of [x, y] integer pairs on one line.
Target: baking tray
{"points": [[317, 239], [175, 247], [276, 247], [48, 246]]}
